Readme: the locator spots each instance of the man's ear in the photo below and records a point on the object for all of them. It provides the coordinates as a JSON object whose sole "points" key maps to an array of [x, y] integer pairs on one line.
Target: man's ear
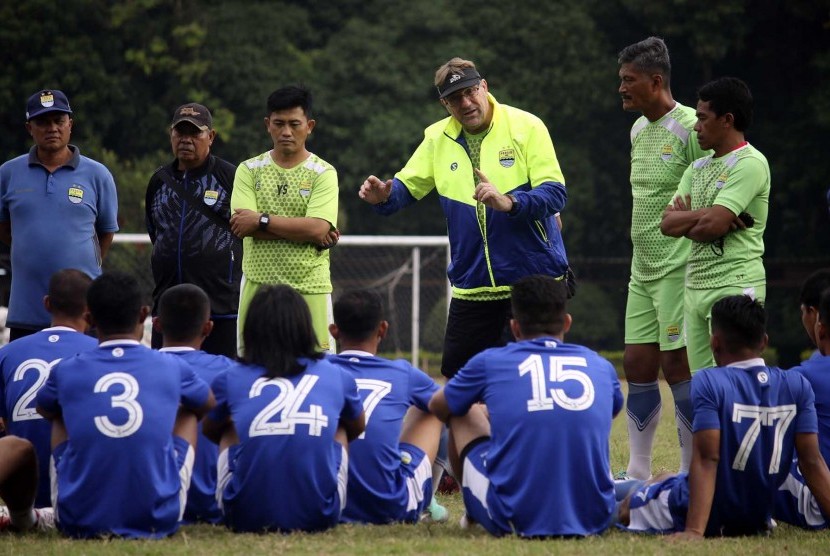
{"points": [[207, 328], [334, 331], [515, 329], [566, 326], [47, 304], [157, 325], [383, 328]]}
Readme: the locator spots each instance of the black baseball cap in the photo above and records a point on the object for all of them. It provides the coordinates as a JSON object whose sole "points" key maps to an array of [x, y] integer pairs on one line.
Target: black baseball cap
{"points": [[194, 113], [47, 100], [457, 80]]}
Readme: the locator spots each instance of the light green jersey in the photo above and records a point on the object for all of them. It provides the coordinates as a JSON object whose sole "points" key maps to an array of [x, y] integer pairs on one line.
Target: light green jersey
{"points": [[308, 189], [660, 153], [740, 182]]}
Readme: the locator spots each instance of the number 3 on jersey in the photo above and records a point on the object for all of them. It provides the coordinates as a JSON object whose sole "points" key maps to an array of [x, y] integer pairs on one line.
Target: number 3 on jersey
{"points": [[561, 370], [287, 404]]}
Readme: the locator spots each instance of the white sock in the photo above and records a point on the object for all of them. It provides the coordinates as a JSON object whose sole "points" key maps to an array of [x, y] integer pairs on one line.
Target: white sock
{"points": [[643, 408]]}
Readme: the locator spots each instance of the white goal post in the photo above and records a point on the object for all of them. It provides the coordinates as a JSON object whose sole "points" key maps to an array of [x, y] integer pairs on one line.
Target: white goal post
{"points": [[409, 270]]}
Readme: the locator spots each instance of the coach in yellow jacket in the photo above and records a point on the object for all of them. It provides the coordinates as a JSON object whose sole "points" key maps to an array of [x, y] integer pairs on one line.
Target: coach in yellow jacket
{"points": [[501, 187]]}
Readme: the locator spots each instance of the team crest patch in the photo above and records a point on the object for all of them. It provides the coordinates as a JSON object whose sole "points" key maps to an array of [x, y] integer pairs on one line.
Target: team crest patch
{"points": [[211, 197], [454, 166], [47, 100], [666, 153], [721, 180], [507, 157], [76, 195], [673, 332], [305, 189], [762, 377]]}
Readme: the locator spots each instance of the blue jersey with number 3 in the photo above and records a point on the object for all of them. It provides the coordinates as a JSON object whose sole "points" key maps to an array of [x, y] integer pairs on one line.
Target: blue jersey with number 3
{"points": [[24, 368], [551, 406], [758, 410], [285, 467], [118, 472]]}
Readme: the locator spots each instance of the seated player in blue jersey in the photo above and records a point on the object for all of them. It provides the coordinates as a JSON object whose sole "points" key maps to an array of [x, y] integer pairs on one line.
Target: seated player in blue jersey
{"points": [[540, 467], [25, 365], [748, 418], [794, 502], [283, 420], [18, 485], [124, 423], [390, 464], [184, 322]]}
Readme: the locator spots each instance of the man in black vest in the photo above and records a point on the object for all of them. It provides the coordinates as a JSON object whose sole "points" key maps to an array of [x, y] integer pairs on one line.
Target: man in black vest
{"points": [[187, 213]]}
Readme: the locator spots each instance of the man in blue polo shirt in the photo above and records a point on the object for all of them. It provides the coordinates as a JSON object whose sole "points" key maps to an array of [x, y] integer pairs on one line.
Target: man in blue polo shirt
{"points": [[58, 206]]}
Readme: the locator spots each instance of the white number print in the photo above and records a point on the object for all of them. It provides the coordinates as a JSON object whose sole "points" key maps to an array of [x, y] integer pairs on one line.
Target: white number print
{"points": [[378, 389], [125, 400], [561, 370], [287, 404], [780, 416], [24, 409]]}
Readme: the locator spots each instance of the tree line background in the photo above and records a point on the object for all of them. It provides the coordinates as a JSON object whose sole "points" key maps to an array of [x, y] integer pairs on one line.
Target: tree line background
{"points": [[126, 66]]}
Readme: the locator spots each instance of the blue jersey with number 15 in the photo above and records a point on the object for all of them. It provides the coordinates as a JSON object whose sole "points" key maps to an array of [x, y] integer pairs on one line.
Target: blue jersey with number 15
{"points": [[551, 406]]}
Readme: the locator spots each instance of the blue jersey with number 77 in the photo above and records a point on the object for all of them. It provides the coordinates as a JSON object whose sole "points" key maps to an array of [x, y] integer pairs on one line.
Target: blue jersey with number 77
{"points": [[551, 405], [758, 410]]}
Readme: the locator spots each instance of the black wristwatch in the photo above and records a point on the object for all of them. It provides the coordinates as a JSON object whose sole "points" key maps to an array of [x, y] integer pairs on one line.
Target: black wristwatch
{"points": [[264, 220], [514, 210]]}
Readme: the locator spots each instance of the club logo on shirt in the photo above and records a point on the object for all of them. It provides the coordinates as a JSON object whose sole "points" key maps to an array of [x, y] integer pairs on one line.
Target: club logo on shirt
{"points": [[722, 180], [666, 153], [118, 352], [305, 189], [54, 338], [406, 458], [673, 332], [762, 377], [507, 157], [454, 166], [76, 195], [211, 197], [47, 100]]}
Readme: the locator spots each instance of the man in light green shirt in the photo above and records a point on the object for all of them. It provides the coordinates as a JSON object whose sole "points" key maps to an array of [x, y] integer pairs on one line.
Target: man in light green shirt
{"points": [[721, 204], [284, 205], [663, 145]]}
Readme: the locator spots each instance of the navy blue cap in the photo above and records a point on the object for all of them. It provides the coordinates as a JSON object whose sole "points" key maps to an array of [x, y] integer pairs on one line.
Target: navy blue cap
{"points": [[47, 101]]}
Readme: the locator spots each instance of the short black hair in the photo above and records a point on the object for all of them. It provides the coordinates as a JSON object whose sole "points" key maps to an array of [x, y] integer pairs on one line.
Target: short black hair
{"points": [[358, 313], [824, 307], [114, 300], [278, 331], [288, 98], [650, 55], [813, 286], [67, 292], [741, 321], [729, 95], [183, 311], [538, 304]]}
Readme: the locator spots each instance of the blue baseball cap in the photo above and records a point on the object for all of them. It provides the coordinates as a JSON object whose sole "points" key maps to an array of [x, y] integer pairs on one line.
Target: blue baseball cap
{"points": [[47, 101]]}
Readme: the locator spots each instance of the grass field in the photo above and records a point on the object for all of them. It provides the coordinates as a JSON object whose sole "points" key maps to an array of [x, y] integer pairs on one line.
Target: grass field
{"points": [[447, 538]]}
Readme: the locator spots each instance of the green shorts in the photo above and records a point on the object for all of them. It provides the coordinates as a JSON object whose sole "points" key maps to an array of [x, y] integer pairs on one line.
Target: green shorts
{"points": [[654, 311], [319, 304], [698, 317]]}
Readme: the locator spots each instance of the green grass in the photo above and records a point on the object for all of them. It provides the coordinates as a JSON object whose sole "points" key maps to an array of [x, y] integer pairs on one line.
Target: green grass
{"points": [[446, 538]]}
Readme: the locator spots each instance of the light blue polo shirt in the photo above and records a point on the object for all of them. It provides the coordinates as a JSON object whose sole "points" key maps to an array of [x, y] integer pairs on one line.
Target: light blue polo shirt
{"points": [[55, 218]]}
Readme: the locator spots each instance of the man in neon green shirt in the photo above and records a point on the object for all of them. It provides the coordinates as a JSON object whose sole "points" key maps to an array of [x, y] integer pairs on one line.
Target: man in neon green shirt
{"points": [[284, 205], [663, 144], [496, 173], [721, 204]]}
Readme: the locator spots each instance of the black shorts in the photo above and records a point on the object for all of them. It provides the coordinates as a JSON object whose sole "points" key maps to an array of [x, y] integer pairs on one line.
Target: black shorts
{"points": [[472, 327]]}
